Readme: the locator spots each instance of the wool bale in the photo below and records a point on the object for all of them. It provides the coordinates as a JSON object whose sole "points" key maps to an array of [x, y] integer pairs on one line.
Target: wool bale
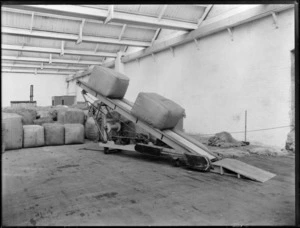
{"points": [[2, 136], [91, 129], [70, 116], [12, 130], [54, 134], [157, 110], [33, 136], [74, 133], [43, 120], [107, 82]]}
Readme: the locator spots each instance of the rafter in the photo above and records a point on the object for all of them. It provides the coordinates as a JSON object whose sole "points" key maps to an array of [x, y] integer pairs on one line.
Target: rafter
{"points": [[210, 28], [71, 37], [35, 71], [50, 60], [57, 51], [101, 15], [42, 66]]}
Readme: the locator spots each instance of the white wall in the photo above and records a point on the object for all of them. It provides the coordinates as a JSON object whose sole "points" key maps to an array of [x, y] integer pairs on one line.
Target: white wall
{"points": [[222, 79], [16, 87]]}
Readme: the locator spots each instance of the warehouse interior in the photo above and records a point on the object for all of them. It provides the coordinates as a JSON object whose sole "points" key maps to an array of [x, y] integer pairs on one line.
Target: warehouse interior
{"points": [[148, 114]]}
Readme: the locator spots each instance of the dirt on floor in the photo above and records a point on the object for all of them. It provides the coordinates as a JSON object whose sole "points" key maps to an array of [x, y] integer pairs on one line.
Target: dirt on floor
{"points": [[68, 186]]}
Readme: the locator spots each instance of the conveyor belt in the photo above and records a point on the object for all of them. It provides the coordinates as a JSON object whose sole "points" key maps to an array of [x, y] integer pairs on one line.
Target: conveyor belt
{"points": [[171, 138]]}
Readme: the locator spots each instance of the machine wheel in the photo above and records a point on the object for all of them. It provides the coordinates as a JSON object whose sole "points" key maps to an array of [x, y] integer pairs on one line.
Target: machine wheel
{"points": [[176, 162], [106, 150]]}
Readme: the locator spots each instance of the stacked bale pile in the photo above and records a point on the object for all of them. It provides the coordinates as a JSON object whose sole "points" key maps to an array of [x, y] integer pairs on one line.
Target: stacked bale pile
{"points": [[70, 115], [12, 130], [28, 114]]}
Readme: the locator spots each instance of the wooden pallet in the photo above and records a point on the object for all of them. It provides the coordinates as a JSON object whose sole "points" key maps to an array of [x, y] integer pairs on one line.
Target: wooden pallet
{"points": [[242, 169]]}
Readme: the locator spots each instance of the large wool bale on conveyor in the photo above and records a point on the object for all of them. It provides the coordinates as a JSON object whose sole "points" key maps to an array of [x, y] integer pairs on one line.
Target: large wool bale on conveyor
{"points": [[70, 115], [33, 136], [74, 133], [157, 110], [12, 130], [54, 134], [108, 82], [91, 129]]}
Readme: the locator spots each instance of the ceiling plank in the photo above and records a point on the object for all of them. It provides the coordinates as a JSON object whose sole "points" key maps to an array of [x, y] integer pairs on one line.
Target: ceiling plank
{"points": [[71, 37], [210, 28], [101, 14]]}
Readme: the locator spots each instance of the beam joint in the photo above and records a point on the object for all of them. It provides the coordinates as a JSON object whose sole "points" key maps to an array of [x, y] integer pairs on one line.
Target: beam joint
{"points": [[203, 17], [162, 12], [110, 14]]}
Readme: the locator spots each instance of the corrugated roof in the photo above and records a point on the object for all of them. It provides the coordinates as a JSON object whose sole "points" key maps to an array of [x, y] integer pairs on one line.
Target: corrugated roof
{"points": [[16, 18], [57, 25]]}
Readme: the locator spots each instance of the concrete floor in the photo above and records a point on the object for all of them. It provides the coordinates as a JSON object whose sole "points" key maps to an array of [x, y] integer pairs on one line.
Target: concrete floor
{"points": [[65, 186]]}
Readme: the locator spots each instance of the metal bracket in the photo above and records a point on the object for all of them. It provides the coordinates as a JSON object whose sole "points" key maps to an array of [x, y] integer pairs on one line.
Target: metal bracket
{"points": [[173, 51], [230, 33], [275, 20], [35, 71], [153, 56], [50, 59], [42, 65], [197, 44]]}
